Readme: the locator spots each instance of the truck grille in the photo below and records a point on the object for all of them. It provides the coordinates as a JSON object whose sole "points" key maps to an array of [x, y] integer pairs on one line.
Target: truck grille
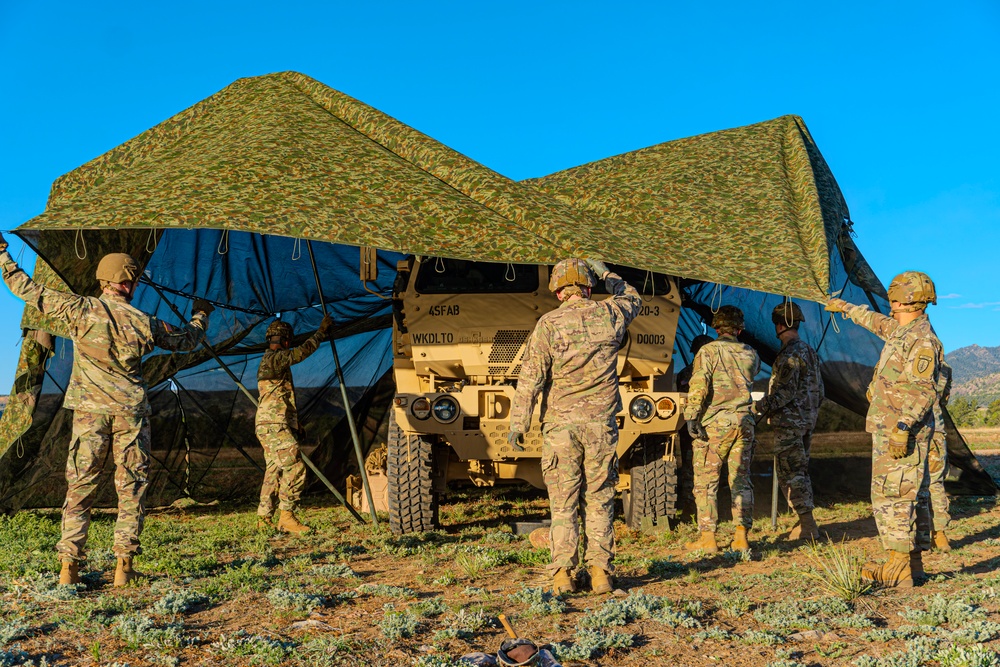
{"points": [[508, 347]]}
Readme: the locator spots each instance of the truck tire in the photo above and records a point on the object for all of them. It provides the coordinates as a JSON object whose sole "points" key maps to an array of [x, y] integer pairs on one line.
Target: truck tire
{"points": [[413, 505], [652, 499]]}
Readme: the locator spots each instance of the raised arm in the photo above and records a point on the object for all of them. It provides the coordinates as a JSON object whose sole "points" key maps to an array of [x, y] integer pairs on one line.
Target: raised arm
{"points": [[184, 338], [48, 301]]}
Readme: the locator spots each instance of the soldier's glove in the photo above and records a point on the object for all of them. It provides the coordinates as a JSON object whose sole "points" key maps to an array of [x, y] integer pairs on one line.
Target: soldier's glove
{"points": [[325, 327], [899, 443], [837, 306], [514, 439], [696, 430], [3, 243], [202, 306], [598, 267]]}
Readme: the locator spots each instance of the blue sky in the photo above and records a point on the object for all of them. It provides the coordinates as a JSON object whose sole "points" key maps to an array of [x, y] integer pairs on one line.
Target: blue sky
{"points": [[901, 97]]}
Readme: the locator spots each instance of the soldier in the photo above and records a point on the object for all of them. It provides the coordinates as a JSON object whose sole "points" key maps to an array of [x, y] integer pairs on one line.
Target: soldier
{"points": [[277, 425], [107, 394], [571, 359], [905, 394], [722, 427], [684, 377], [792, 403]]}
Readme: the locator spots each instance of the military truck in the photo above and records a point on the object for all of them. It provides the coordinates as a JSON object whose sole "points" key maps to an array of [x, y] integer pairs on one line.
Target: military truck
{"points": [[459, 334]]}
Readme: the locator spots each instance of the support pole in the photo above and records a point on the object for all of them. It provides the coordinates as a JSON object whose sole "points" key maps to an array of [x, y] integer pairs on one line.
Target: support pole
{"points": [[343, 392], [253, 400]]}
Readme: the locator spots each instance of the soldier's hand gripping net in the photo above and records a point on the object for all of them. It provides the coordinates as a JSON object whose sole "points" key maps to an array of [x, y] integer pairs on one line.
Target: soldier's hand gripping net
{"points": [[598, 267], [202, 306], [3, 243], [325, 327], [837, 306]]}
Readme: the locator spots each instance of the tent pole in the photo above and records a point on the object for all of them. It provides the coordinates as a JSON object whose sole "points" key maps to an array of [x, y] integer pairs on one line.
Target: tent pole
{"points": [[343, 391], [253, 400]]}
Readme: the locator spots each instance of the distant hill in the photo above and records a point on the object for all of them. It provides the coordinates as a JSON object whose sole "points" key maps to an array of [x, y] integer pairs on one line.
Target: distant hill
{"points": [[975, 373]]}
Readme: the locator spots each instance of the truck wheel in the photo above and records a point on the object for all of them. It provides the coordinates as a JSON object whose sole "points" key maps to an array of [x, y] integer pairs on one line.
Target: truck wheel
{"points": [[652, 499], [413, 505]]}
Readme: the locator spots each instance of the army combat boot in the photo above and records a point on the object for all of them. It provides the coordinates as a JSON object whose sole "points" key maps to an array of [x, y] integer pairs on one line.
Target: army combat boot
{"points": [[805, 529], [70, 573], [917, 566], [264, 523], [941, 542], [704, 543], [124, 573], [740, 542], [893, 573], [562, 582], [600, 581], [289, 523]]}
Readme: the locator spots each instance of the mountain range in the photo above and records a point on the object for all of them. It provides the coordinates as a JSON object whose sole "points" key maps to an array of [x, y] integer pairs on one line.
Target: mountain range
{"points": [[975, 373]]}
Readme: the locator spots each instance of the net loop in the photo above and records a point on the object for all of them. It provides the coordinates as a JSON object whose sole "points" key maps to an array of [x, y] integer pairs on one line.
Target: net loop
{"points": [[439, 264], [78, 243], [223, 243], [296, 249], [717, 291], [151, 237], [510, 275]]}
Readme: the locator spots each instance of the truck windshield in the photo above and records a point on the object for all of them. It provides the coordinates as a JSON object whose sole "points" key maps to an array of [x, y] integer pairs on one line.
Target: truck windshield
{"points": [[438, 275]]}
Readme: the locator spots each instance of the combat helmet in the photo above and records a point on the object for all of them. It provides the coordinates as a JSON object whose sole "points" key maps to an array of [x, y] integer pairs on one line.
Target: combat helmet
{"points": [[787, 313], [279, 329], [570, 272], [117, 267], [913, 289], [728, 318]]}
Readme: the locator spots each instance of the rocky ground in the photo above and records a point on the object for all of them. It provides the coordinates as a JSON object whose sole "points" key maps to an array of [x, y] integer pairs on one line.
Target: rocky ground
{"points": [[221, 593]]}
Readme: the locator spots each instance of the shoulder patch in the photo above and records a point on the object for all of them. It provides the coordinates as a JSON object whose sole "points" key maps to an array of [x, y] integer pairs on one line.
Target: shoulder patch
{"points": [[923, 363]]}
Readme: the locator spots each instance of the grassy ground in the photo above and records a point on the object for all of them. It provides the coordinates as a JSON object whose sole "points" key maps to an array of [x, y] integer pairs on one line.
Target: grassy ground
{"points": [[222, 593], [981, 438]]}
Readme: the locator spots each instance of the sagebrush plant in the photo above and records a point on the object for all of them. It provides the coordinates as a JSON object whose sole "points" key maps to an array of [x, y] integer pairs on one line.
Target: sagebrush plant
{"points": [[385, 590], [837, 569], [396, 625], [286, 600], [178, 602], [257, 649], [588, 643], [540, 601]]}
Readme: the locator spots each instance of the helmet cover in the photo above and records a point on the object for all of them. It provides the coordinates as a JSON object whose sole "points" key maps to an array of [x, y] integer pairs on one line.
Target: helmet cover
{"points": [[570, 272], [787, 313], [912, 287], [117, 267], [728, 318], [280, 329]]}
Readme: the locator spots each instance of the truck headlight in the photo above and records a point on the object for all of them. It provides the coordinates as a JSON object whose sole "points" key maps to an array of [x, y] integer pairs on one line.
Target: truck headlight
{"points": [[641, 408], [445, 409], [665, 407], [421, 408]]}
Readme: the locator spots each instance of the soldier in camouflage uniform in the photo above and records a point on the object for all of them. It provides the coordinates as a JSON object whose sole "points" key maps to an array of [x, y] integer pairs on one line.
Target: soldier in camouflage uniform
{"points": [[722, 427], [277, 425], [107, 394], [571, 360], [905, 395], [792, 404]]}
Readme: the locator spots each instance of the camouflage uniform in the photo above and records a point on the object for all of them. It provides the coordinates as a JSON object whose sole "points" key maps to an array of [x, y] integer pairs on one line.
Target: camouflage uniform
{"points": [[793, 398], [107, 394], [277, 425], [571, 359], [719, 398], [905, 389]]}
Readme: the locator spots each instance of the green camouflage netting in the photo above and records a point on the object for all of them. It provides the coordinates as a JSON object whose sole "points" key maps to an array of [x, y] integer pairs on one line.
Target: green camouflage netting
{"points": [[754, 207]]}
